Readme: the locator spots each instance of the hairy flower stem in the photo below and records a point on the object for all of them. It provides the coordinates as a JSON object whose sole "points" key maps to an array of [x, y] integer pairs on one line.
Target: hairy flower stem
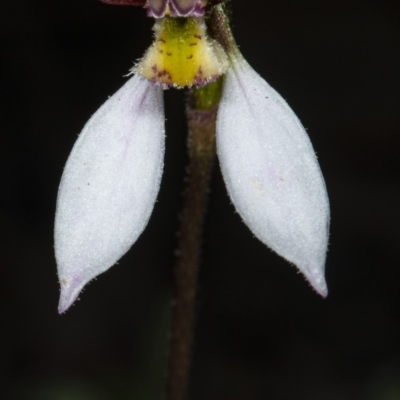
{"points": [[201, 113]]}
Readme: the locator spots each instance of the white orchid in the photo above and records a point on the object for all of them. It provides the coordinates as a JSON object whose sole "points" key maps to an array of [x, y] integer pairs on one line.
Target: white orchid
{"points": [[112, 177]]}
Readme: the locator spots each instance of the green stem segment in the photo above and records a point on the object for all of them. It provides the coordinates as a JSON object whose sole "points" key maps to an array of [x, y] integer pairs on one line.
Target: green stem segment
{"points": [[201, 113]]}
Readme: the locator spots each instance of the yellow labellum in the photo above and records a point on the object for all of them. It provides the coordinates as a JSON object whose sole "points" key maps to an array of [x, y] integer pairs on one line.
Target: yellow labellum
{"points": [[182, 54]]}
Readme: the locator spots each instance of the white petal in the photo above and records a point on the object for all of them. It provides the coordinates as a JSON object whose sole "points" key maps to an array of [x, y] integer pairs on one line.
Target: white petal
{"points": [[109, 186], [271, 172]]}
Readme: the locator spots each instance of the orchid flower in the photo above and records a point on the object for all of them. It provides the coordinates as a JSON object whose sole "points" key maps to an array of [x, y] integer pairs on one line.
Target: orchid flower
{"points": [[112, 177]]}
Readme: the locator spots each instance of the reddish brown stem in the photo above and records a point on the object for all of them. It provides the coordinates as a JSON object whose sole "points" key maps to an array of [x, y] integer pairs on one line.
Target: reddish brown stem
{"points": [[201, 143]]}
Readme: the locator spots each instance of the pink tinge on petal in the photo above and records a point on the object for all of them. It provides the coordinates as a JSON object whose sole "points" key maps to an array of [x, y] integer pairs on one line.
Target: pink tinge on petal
{"points": [[157, 8], [184, 8], [177, 8], [70, 290], [109, 185], [125, 2], [271, 171]]}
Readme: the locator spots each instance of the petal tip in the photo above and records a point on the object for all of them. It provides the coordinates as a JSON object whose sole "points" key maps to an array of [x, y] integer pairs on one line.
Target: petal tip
{"points": [[70, 289], [318, 283], [322, 289]]}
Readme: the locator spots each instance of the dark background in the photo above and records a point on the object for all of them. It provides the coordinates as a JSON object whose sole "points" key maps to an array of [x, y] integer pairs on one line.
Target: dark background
{"points": [[262, 333]]}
